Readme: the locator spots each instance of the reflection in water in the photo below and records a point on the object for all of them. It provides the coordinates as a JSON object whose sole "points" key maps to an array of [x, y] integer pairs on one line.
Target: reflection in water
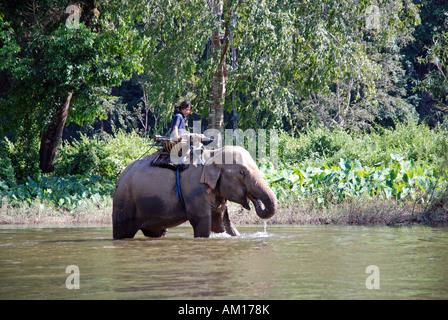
{"points": [[280, 262]]}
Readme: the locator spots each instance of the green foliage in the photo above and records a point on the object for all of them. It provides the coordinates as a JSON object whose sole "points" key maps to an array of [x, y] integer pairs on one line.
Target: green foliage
{"points": [[43, 62], [280, 54], [425, 61], [17, 164], [320, 146], [405, 163], [290, 64], [7, 178], [105, 156], [9, 48], [64, 192], [440, 156], [402, 180], [178, 32], [435, 81], [82, 157], [124, 148], [86, 171], [314, 145]]}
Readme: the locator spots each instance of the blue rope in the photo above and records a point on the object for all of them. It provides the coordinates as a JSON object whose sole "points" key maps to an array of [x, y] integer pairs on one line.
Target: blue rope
{"points": [[179, 193]]}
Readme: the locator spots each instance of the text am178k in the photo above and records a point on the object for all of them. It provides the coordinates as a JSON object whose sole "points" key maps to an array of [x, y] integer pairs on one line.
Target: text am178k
{"points": [[227, 309], [245, 309]]}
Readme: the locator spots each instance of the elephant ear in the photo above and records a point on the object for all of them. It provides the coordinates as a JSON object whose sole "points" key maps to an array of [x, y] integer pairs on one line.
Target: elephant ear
{"points": [[210, 175]]}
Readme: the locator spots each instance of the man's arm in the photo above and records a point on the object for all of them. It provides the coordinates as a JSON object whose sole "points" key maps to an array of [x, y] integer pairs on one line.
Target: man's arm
{"points": [[175, 133], [175, 129]]}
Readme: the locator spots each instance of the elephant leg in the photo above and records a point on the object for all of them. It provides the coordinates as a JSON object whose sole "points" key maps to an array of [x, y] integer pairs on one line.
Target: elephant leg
{"points": [[124, 223], [201, 226], [125, 229], [221, 222], [217, 221], [154, 233], [228, 225]]}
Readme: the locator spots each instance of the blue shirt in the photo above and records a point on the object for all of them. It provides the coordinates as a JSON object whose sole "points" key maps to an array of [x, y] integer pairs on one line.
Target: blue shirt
{"points": [[179, 121]]}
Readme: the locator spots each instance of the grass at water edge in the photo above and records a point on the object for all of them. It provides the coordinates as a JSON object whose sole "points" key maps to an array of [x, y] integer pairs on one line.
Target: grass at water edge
{"points": [[362, 212]]}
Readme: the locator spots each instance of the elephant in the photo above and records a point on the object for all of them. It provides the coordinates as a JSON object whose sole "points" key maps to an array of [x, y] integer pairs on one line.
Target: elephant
{"points": [[145, 197]]}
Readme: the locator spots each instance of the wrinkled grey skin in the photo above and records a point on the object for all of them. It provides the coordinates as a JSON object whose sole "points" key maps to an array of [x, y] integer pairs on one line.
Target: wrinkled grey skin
{"points": [[145, 197]]}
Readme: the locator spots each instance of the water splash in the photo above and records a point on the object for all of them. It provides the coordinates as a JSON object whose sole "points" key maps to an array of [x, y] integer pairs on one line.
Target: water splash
{"points": [[263, 233], [222, 235], [258, 234]]}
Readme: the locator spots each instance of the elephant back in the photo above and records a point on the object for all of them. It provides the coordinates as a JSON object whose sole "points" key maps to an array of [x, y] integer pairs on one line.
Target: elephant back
{"points": [[162, 159]]}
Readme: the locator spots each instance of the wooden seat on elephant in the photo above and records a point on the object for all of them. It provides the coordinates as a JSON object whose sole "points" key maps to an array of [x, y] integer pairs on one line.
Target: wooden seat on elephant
{"points": [[162, 158]]}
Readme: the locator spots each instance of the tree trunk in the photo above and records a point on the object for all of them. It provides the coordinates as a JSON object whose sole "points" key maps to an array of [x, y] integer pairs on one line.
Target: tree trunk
{"points": [[217, 96], [51, 138], [216, 116], [220, 76]]}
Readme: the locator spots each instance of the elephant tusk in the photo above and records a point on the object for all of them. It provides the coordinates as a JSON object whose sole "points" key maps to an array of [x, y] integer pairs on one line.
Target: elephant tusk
{"points": [[247, 204], [257, 202], [260, 204]]}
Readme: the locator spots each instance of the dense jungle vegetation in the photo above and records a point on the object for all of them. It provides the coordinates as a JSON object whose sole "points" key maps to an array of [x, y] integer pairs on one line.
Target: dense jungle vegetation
{"points": [[357, 91]]}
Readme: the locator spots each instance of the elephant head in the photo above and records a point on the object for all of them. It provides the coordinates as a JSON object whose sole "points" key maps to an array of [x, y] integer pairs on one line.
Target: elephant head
{"points": [[235, 174]]}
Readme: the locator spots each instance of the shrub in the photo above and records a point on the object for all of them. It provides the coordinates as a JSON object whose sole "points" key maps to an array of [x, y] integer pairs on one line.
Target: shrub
{"points": [[80, 157], [17, 162], [123, 148], [106, 156], [7, 178], [320, 146], [310, 147], [402, 180], [64, 192]]}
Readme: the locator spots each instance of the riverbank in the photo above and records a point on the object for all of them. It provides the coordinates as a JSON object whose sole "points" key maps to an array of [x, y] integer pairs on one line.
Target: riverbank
{"points": [[363, 212], [38, 213]]}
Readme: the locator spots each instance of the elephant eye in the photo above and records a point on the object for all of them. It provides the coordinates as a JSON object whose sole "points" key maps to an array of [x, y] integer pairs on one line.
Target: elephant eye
{"points": [[242, 172]]}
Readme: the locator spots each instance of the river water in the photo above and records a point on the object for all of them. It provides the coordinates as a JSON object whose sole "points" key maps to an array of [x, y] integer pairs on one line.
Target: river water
{"points": [[281, 262]]}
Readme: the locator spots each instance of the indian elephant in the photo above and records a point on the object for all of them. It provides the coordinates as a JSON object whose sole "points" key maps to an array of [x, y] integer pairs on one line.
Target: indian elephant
{"points": [[145, 197]]}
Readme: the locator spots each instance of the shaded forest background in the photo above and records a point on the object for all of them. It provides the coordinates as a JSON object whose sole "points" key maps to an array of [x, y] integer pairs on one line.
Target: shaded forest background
{"points": [[73, 74]]}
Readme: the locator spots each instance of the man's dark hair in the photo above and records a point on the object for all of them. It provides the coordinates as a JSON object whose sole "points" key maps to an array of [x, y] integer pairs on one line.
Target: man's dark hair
{"points": [[185, 104]]}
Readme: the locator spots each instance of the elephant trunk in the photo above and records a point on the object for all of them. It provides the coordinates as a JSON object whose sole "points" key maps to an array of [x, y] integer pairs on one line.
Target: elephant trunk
{"points": [[264, 197]]}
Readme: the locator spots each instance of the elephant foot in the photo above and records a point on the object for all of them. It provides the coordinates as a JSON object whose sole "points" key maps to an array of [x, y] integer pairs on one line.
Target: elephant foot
{"points": [[124, 230], [232, 231], [154, 233]]}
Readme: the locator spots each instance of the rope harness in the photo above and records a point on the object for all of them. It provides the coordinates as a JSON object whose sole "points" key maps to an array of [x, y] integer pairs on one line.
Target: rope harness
{"points": [[177, 186], [178, 191]]}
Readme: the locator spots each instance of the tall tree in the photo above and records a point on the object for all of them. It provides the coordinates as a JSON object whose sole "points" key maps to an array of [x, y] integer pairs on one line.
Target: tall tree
{"points": [[285, 52], [351, 71], [427, 58], [60, 59]]}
